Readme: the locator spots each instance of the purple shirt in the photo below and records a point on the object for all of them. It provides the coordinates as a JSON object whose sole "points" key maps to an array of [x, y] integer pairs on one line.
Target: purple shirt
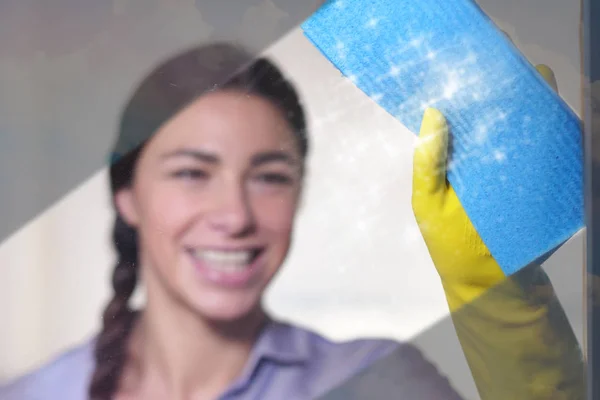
{"points": [[287, 362]]}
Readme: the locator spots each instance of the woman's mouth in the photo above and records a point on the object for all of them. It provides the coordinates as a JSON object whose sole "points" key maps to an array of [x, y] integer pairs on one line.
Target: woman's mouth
{"points": [[227, 267], [228, 261]]}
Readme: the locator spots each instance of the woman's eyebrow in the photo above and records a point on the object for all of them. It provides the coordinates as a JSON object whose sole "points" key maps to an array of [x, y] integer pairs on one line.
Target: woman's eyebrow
{"points": [[273, 156], [258, 159], [199, 155]]}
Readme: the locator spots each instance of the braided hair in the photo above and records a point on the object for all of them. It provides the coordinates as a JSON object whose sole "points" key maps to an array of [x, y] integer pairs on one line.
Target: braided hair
{"points": [[163, 93]]}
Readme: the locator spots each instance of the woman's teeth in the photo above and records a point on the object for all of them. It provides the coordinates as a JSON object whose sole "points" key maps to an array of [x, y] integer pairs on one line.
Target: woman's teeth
{"points": [[226, 261]]}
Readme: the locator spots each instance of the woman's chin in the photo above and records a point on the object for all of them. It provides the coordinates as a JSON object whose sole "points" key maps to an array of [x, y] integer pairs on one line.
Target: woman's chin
{"points": [[224, 309]]}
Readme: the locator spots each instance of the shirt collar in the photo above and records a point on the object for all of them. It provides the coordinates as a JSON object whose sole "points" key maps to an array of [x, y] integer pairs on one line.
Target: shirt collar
{"points": [[282, 343], [278, 343]]}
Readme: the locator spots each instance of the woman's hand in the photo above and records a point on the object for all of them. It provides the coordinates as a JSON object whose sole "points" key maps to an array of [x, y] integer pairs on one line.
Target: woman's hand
{"points": [[461, 258], [513, 331]]}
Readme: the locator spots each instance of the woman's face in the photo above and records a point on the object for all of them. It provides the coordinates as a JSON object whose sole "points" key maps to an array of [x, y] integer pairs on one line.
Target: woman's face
{"points": [[213, 199]]}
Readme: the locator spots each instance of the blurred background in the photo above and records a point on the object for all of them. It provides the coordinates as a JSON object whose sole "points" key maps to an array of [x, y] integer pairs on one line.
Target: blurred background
{"points": [[358, 266]]}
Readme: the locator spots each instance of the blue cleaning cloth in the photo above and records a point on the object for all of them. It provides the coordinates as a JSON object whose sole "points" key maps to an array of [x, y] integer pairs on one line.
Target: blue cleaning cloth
{"points": [[516, 156]]}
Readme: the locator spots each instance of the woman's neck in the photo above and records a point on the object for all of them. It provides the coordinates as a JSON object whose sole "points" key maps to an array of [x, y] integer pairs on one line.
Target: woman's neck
{"points": [[177, 353]]}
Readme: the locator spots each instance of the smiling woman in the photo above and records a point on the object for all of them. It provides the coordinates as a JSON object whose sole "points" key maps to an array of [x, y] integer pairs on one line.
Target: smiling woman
{"points": [[206, 185], [214, 198]]}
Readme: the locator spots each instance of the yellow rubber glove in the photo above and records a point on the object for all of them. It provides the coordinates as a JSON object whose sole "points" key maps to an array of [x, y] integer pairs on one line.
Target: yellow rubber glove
{"points": [[514, 333]]}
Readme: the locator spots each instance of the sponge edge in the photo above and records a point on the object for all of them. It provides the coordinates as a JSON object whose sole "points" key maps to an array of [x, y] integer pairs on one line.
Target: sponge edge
{"points": [[516, 158]]}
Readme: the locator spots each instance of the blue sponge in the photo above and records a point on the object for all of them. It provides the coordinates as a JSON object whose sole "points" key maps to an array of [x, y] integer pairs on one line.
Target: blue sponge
{"points": [[516, 158]]}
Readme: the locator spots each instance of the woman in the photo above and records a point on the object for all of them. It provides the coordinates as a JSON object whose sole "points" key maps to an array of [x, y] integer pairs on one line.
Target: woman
{"points": [[212, 158]]}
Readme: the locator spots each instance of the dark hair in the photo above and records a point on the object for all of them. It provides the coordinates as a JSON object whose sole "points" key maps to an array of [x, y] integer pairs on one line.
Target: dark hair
{"points": [[165, 92]]}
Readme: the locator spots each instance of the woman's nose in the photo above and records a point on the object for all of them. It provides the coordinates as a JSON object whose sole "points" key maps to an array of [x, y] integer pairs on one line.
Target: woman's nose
{"points": [[231, 212]]}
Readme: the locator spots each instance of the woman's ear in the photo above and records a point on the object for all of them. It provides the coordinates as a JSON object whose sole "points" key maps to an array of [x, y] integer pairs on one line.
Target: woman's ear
{"points": [[127, 207]]}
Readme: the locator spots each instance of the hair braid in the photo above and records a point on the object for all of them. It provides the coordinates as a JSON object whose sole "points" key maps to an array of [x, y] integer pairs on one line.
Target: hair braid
{"points": [[111, 349]]}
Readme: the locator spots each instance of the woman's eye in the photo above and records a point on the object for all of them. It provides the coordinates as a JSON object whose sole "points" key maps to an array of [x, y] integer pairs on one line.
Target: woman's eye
{"points": [[273, 178], [190, 174]]}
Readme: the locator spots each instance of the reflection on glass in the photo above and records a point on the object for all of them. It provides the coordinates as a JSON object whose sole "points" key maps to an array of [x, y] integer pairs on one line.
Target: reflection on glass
{"points": [[207, 177]]}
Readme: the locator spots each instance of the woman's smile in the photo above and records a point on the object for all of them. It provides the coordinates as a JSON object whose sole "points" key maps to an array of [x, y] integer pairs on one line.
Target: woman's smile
{"points": [[233, 267]]}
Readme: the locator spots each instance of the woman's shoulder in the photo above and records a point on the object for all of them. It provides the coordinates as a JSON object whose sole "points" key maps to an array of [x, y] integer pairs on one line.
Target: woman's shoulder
{"points": [[357, 351], [63, 377], [323, 360], [295, 341], [365, 364]]}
